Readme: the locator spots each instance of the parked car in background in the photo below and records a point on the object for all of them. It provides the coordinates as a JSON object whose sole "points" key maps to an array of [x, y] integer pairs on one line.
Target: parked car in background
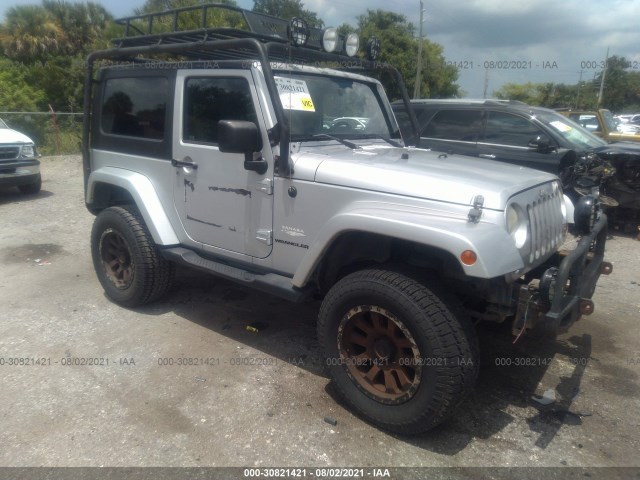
{"points": [[19, 164], [603, 124], [517, 133]]}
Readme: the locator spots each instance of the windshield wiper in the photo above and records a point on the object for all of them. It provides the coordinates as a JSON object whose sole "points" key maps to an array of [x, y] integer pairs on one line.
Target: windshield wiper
{"points": [[344, 142], [381, 137]]}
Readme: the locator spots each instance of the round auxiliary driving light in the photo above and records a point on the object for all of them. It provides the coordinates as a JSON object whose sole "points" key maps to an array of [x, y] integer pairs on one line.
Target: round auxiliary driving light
{"points": [[352, 44], [586, 214], [298, 31], [373, 48], [329, 39]]}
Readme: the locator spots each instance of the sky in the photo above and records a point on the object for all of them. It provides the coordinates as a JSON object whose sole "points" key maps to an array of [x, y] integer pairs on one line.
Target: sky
{"points": [[494, 41]]}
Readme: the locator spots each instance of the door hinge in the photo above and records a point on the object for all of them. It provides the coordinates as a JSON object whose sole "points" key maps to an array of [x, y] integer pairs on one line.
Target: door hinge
{"points": [[265, 236], [265, 186]]}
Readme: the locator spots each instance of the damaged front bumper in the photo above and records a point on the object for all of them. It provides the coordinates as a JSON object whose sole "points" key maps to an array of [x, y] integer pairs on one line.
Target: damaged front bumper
{"points": [[562, 295]]}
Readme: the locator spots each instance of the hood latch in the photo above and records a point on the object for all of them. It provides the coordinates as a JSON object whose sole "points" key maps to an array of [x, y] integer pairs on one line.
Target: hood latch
{"points": [[476, 212]]}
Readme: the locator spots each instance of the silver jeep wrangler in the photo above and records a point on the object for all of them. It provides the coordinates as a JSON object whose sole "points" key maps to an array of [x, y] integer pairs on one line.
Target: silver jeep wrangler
{"points": [[267, 156]]}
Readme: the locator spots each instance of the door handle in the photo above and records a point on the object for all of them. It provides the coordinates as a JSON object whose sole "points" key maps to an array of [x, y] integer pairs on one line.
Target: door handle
{"points": [[186, 162], [490, 156]]}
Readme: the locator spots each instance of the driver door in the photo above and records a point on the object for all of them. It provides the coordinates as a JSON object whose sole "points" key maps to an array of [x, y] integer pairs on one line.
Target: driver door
{"points": [[221, 204]]}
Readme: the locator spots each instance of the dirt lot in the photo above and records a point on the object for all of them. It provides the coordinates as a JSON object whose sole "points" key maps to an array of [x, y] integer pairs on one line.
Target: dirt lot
{"points": [[262, 399]]}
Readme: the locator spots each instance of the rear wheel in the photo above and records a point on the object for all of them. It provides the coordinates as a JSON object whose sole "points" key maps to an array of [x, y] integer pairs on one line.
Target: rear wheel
{"points": [[398, 354], [127, 262]]}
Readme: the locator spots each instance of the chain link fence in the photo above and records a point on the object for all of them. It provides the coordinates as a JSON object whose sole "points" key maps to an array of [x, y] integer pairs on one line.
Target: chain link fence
{"points": [[54, 133]]}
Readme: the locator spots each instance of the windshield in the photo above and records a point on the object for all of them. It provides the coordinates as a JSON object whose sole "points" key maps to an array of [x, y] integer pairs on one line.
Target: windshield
{"points": [[336, 106], [2, 124], [571, 131]]}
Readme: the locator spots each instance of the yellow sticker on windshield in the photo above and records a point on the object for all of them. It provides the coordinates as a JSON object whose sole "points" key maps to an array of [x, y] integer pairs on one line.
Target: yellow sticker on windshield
{"points": [[307, 104], [294, 94]]}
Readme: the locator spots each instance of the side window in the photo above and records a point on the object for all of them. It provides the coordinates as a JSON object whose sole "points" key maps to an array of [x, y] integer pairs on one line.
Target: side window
{"points": [[590, 122], [135, 107], [208, 100], [462, 125], [507, 129]]}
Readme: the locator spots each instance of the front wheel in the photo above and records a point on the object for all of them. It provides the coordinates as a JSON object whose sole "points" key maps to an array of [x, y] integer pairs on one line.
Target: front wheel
{"points": [[127, 262], [33, 187], [398, 354]]}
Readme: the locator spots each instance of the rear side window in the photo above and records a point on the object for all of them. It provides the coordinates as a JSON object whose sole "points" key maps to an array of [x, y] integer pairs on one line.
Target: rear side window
{"points": [[461, 125], [507, 129], [209, 100], [135, 107]]}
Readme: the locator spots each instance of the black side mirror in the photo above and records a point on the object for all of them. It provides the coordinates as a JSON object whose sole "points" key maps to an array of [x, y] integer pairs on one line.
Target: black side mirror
{"points": [[238, 136], [540, 144]]}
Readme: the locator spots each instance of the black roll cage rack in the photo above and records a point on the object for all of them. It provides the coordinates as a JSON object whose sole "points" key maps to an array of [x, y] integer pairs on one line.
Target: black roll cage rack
{"points": [[268, 39]]}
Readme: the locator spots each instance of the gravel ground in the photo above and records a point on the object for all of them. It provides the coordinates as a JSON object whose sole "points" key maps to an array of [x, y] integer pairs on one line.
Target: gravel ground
{"points": [[262, 399]]}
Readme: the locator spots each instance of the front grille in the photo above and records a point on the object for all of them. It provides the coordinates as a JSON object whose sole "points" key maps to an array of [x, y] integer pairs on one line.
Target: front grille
{"points": [[547, 224], [9, 153]]}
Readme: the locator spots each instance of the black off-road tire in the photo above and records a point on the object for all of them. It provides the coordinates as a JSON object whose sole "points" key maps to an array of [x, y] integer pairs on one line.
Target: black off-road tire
{"points": [[447, 360], [31, 188], [127, 262]]}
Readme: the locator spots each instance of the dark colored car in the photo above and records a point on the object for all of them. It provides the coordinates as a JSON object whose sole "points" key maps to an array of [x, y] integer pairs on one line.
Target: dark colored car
{"points": [[534, 137]]}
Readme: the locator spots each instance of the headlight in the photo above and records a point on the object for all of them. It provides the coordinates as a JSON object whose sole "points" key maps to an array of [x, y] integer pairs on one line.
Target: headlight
{"points": [[517, 225], [28, 151], [586, 214]]}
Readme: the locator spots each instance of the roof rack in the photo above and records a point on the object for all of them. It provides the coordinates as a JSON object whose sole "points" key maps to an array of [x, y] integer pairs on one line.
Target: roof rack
{"points": [[167, 28]]}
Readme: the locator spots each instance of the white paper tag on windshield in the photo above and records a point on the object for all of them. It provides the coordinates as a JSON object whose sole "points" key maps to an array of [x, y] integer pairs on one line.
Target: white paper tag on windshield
{"points": [[294, 94], [561, 126]]}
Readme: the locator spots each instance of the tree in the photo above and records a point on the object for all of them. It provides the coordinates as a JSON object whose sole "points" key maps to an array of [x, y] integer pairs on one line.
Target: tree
{"points": [[30, 33], [188, 20], [526, 92], [621, 91], [287, 9], [16, 92], [83, 23], [400, 49], [151, 6], [621, 85]]}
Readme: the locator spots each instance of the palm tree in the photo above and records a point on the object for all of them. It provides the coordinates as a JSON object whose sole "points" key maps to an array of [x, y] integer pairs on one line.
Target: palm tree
{"points": [[30, 33], [83, 23]]}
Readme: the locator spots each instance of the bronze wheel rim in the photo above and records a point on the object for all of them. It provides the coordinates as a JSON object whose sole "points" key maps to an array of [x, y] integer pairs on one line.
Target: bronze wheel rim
{"points": [[116, 259], [380, 354]]}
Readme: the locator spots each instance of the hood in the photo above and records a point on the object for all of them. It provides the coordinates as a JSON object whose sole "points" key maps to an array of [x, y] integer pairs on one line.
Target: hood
{"points": [[11, 136], [423, 174], [618, 147]]}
